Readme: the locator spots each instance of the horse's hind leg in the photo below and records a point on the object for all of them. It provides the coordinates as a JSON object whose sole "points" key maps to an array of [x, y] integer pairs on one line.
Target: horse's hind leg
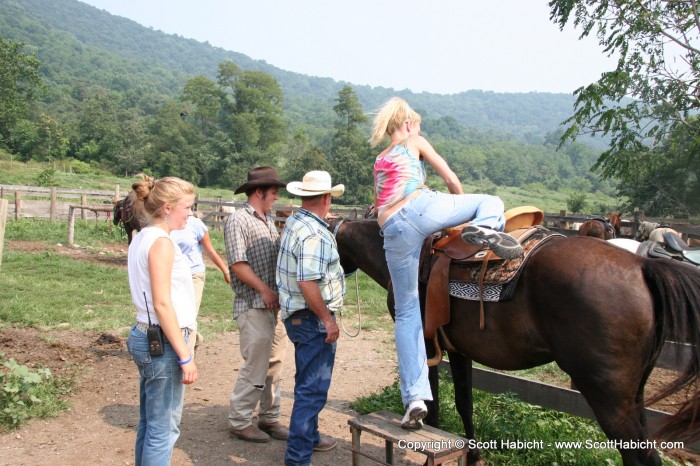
{"points": [[620, 413]]}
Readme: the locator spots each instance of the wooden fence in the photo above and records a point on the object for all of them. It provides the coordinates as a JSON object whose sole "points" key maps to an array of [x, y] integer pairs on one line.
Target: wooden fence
{"points": [[54, 203]]}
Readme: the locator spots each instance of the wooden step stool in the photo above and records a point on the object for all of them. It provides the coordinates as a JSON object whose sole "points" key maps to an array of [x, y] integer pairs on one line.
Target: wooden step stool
{"points": [[439, 446]]}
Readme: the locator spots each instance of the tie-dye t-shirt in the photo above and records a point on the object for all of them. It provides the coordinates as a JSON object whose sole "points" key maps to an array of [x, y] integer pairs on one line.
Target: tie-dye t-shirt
{"points": [[396, 175]]}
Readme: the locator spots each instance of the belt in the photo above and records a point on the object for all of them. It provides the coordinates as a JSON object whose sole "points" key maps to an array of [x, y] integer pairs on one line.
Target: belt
{"points": [[142, 326], [307, 311]]}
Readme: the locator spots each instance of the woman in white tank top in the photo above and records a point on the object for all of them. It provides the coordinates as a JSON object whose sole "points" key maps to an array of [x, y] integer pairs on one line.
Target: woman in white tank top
{"points": [[161, 289]]}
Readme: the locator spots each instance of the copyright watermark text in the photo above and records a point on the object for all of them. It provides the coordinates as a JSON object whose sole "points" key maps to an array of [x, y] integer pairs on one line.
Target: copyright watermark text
{"points": [[434, 445]]}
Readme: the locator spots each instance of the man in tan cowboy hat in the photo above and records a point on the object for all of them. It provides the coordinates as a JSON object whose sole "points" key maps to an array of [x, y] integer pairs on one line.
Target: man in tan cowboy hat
{"points": [[311, 288], [252, 244]]}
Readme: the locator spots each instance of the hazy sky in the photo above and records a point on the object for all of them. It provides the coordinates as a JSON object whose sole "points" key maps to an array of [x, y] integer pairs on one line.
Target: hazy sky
{"points": [[441, 46]]}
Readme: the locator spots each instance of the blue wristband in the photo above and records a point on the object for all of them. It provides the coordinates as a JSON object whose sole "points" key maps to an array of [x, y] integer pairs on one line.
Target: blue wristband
{"points": [[185, 361]]}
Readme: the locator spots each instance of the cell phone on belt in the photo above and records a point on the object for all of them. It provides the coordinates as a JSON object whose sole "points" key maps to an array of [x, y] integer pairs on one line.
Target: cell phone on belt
{"points": [[154, 334]]}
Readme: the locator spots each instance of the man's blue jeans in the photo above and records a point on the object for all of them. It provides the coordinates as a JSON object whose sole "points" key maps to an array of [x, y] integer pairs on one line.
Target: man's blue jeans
{"points": [[161, 395], [314, 360], [404, 234]]}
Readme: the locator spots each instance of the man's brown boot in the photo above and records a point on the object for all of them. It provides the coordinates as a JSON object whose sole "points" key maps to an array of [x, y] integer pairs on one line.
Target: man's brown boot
{"points": [[250, 434], [325, 444], [274, 430]]}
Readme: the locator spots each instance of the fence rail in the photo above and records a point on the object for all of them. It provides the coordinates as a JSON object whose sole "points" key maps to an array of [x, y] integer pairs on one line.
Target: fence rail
{"points": [[48, 202], [674, 356], [552, 397]]}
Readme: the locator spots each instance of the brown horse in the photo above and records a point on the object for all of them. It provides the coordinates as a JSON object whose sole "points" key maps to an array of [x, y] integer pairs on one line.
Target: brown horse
{"points": [[606, 228], [601, 313], [125, 216]]}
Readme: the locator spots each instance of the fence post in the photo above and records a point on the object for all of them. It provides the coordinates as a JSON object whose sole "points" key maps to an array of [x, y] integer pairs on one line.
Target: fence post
{"points": [[52, 209], [18, 204], [564, 224], [83, 201], [638, 214], [71, 225], [116, 193], [3, 219]]}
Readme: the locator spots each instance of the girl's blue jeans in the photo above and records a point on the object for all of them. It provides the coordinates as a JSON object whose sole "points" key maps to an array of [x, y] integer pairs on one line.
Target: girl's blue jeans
{"points": [[404, 234], [161, 395]]}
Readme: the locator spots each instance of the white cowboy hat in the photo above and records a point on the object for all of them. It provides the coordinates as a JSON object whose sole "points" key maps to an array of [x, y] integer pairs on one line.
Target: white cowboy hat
{"points": [[315, 183]]}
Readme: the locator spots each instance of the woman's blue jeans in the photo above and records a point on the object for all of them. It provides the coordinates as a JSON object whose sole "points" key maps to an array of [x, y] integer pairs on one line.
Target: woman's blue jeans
{"points": [[314, 359], [404, 234], [161, 395]]}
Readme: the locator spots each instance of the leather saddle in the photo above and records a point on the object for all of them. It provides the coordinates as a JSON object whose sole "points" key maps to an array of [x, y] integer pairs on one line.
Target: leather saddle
{"points": [[444, 256], [673, 248]]}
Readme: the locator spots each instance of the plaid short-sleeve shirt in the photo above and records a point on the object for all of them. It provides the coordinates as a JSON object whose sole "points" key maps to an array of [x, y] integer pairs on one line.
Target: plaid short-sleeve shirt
{"points": [[308, 251], [252, 239]]}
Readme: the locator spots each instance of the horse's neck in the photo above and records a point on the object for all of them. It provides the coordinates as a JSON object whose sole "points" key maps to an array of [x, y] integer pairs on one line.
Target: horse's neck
{"points": [[365, 237]]}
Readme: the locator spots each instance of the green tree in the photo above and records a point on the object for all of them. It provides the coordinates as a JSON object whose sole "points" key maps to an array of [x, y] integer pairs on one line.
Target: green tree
{"points": [[350, 152], [302, 155], [96, 126], [670, 184], [173, 143], [577, 202], [258, 96], [654, 89], [19, 83], [207, 98], [52, 143]]}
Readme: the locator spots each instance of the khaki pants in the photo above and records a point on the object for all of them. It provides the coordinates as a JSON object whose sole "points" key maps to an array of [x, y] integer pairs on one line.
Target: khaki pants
{"points": [[263, 343], [198, 280]]}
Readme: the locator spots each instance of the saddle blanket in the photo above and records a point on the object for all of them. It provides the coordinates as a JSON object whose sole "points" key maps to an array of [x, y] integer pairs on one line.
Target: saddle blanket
{"points": [[470, 291]]}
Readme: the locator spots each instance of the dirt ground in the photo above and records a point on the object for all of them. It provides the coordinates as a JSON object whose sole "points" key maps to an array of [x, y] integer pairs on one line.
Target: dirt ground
{"points": [[100, 426]]}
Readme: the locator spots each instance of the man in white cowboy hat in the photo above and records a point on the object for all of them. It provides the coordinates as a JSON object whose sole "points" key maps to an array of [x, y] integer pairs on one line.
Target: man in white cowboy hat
{"points": [[252, 244], [311, 287]]}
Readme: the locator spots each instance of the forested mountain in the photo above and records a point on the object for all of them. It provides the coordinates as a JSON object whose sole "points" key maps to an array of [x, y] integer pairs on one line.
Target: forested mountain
{"points": [[168, 60], [128, 98]]}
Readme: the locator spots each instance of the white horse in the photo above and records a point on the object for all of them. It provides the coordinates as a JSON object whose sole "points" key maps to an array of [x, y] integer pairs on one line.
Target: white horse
{"points": [[652, 231], [626, 243], [228, 209]]}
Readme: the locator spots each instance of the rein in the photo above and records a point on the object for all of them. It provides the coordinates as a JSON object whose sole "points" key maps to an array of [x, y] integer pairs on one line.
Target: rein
{"points": [[357, 292]]}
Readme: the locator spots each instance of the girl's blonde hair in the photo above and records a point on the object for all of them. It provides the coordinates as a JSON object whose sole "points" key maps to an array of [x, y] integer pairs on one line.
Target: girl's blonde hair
{"points": [[390, 116], [151, 195]]}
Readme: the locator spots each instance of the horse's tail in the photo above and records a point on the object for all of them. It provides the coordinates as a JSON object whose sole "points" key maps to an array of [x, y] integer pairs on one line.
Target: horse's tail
{"points": [[676, 292]]}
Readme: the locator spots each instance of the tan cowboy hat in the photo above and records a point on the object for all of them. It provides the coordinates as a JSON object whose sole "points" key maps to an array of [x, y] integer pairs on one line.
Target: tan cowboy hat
{"points": [[315, 183], [522, 217], [260, 177]]}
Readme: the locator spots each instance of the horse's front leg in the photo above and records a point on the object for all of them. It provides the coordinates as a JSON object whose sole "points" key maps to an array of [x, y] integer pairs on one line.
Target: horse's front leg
{"points": [[461, 368]]}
